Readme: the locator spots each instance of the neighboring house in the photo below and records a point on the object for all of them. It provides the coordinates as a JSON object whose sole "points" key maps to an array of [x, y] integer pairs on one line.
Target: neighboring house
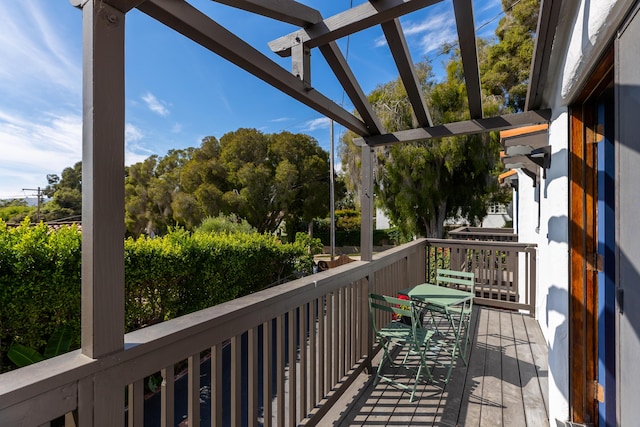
{"points": [[583, 211], [498, 216]]}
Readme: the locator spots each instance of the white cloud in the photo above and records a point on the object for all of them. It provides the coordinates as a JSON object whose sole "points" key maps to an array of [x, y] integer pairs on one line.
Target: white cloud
{"points": [[34, 53], [131, 134], [31, 150], [315, 124], [134, 152], [176, 128], [432, 32], [281, 119], [155, 105]]}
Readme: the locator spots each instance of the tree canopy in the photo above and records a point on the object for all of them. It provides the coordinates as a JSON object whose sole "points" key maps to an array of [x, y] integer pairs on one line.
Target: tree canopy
{"points": [[263, 178], [419, 185]]}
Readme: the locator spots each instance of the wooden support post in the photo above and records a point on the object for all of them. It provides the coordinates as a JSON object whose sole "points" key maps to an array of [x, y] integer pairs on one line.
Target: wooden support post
{"points": [[103, 203], [102, 180], [366, 205]]}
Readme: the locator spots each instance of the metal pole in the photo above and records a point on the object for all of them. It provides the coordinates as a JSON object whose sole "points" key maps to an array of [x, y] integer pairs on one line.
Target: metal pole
{"points": [[332, 234], [39, 195]]}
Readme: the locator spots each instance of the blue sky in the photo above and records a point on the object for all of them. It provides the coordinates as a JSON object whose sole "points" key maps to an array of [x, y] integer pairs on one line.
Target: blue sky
{"points": [[176, 91]]}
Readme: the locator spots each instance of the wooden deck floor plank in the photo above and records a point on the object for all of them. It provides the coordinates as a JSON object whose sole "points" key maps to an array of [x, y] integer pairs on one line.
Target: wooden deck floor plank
{"points": [[484, 393], [455, 389], [470, 408], [540, 354], [513, 412], [491, 414], [532, 394]]}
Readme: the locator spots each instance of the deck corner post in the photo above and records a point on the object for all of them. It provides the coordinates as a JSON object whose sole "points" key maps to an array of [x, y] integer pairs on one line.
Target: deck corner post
{"points": [[102, 180], [366, 204]]}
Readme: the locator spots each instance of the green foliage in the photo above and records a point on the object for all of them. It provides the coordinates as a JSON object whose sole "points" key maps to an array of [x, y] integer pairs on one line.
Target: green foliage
{"points": [[59, 343], [420, 185], [347, 220], [267, 179], [66, 194], [165, 277], [506, 65], [225, 224], [15, 213], [22, 355], [39, 285], [183, 272]]}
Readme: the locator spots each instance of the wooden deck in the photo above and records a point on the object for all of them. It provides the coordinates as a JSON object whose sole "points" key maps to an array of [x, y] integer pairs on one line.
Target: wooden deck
{"points": [[505, 383]]}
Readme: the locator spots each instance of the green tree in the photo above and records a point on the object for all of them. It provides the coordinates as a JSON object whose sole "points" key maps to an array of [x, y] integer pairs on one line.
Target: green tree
{"points": [[151, 190], [505, 68], [421, 184], [65, 193], [274, 178]]}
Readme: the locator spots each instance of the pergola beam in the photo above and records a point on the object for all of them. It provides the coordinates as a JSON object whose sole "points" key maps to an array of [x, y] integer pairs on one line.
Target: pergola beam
{"points": [[192, 23], [465, 25], [123, 6], [288, 11], [468, 127], [341, 69], [348, 22], [402, 57], [546, 31]]}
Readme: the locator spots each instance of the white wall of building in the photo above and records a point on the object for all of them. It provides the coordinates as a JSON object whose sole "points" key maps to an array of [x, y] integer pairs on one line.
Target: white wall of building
{"points": [[585, 29]]}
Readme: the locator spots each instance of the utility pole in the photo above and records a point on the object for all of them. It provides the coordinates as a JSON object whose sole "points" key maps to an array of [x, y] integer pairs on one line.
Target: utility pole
{"points": [[332, 235], [39, 200]]}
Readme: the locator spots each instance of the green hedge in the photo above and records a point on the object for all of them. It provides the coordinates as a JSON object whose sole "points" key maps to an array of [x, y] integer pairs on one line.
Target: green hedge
{"points": [[39, 284], [165, 277]]}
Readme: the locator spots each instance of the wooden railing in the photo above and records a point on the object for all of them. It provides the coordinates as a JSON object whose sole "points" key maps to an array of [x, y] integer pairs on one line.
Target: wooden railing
{"points": [[484, 233], [296, 347], [281, 356], [505, 272]]}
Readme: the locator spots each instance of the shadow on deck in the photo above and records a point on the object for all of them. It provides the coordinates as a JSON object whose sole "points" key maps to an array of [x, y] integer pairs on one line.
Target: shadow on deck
{"points": [[505, 383]]}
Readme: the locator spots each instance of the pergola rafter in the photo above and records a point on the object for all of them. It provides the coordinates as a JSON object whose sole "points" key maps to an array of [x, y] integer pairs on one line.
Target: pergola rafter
{"points": [[197, 26]]}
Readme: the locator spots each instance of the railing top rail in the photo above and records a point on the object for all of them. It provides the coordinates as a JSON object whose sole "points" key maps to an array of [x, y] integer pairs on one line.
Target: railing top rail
{"points": [[481, 230], [479, 243]]}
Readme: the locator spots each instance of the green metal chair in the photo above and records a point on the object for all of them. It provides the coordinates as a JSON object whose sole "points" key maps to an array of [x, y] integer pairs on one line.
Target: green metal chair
{"points": [[398, 333], [465, 281]]}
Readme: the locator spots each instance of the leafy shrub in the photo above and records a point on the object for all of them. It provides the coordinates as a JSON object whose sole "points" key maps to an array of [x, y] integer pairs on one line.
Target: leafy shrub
{"points": [[39, 285], [165, 277], [225, 223]]}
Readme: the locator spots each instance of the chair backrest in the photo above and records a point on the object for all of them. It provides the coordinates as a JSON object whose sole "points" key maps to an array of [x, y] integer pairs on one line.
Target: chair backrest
{"points": [[462, 280], [398, 308]]}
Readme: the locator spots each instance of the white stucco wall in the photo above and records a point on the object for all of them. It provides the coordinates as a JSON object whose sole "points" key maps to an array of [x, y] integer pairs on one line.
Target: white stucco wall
{"points": [[585, 29]]}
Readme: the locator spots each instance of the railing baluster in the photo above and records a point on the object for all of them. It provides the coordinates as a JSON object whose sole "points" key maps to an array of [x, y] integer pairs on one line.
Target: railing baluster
{"points": [[252, 380], [167, 390], [216, 385], [352, 340], [136, 403], [328, 384], [267, 373], [236, 380], [194, 390], [304, 374], [340, 334], [293, 378], [313, 351], [322, 372], [280, 366]]}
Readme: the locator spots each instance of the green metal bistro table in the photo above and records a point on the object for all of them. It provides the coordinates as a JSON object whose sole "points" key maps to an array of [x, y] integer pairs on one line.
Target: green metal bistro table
{"points": [[444, 301]]}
